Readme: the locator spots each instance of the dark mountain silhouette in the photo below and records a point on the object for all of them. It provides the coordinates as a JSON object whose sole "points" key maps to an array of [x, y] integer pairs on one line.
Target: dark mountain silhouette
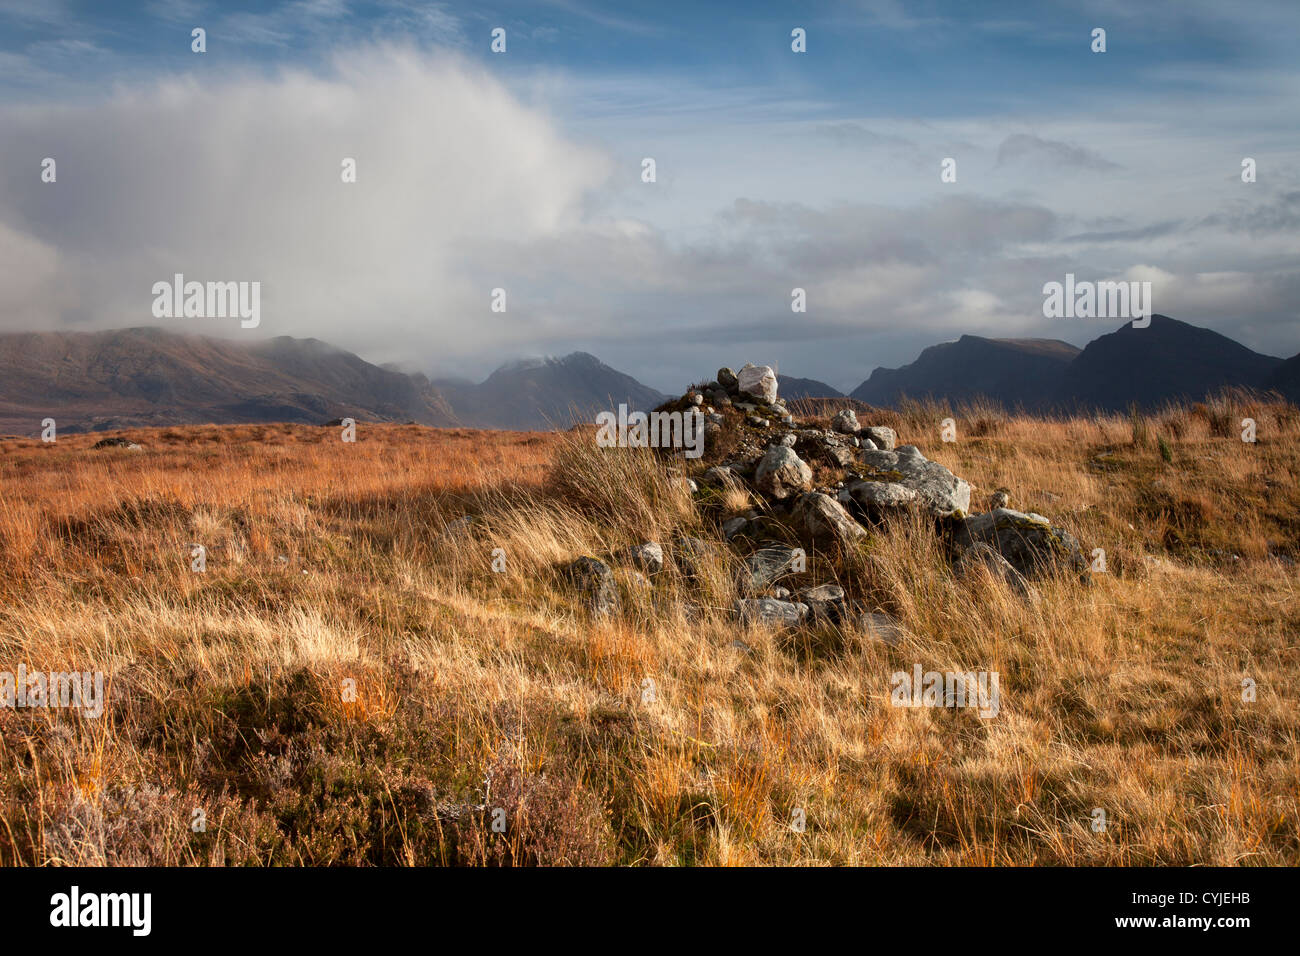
{"points": [[546, 393], [1169, 360], [793, 389], [1015, 372], [130, 378], [1285, 379]]}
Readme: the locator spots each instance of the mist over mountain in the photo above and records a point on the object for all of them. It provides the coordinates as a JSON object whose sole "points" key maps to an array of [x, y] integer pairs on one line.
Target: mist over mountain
{"points": [[138, 377]]}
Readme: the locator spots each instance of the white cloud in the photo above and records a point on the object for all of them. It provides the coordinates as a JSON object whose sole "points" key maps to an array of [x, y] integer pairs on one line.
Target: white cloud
{"points": [[241, 180]]}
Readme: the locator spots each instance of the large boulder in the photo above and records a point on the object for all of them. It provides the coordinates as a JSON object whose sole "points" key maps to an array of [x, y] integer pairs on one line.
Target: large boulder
{"points": [[758, 381], [594, 582], [1029, 542], [782, 473], [727, 379], [914, 480], [825, 520]]}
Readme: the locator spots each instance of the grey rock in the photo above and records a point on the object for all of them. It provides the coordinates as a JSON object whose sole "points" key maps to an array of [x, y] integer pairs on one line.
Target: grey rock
{"points": [[773, 561], [782, 473], [838, 455], [770, 611], [691, 554], [758, 381], [878, 498], [826, 521], [936, 488], [885, 438], [1028, 541], [982, 555], [825, 602], [727, 379], [845, 422], [758, 422], [720, 475], [882, 627], [734, 526], [594, 582], [649, 557]]}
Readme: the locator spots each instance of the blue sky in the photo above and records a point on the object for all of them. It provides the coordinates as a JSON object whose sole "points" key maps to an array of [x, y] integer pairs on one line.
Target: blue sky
{"points": [[774, 170]]}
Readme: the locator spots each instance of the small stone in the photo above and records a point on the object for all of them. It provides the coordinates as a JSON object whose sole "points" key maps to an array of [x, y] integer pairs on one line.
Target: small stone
{"points": [[649, 557]]}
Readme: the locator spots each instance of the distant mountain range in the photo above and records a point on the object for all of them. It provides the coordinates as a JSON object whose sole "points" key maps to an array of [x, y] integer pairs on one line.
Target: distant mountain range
{"points": [[130, 378], [141, 377], [1010, 371], [1168, 360]]}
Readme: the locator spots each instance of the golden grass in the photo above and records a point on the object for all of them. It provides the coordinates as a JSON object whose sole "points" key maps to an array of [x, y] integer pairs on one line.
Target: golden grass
{"points": [[347, 683]]}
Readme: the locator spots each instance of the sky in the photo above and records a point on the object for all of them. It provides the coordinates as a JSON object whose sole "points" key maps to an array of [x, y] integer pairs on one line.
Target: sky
{"points": [[522, 170]]}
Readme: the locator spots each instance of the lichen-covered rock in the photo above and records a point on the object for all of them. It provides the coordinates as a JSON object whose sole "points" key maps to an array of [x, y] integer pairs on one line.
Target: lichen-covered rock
{"points": [[1028, 541], [826, 521], [594, 582], [782, 473], [933, 486], [757, 381], [727, 379], [770, 611], [884, 438]]}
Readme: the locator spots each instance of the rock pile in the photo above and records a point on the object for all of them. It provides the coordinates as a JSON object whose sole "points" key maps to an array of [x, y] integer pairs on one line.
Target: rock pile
{"points": [[825, 487]]}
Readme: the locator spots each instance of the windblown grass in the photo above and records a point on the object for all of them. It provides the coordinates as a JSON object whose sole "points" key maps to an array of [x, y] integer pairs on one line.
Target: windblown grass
{"points": [[351, 682]]}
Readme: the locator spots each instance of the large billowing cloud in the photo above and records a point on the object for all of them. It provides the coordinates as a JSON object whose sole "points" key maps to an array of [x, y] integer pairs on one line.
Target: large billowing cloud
{"points": [[241, 179]]}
